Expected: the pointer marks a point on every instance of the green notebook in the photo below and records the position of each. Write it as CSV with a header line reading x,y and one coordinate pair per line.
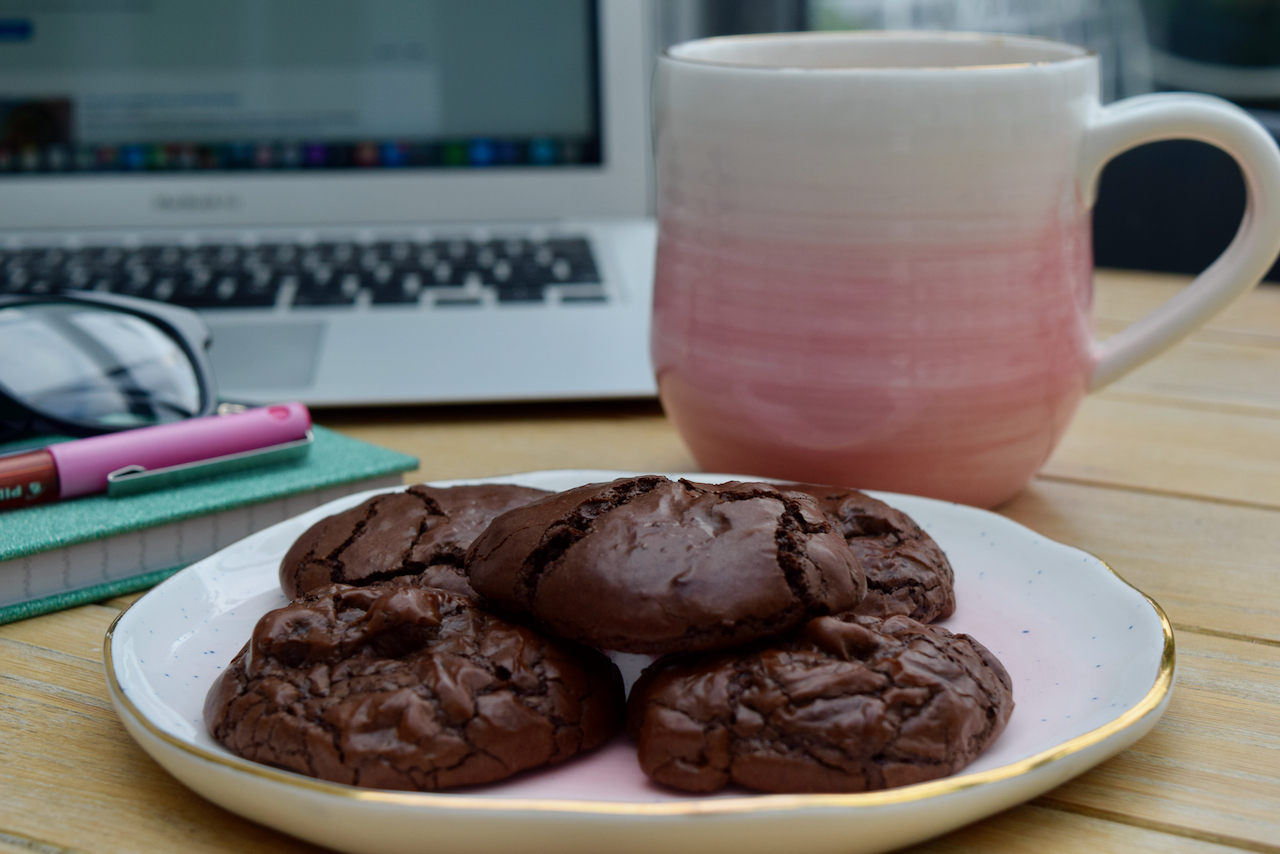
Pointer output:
x,y
69,553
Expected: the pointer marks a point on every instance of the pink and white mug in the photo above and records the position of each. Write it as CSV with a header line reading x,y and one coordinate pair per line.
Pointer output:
x,y
874,258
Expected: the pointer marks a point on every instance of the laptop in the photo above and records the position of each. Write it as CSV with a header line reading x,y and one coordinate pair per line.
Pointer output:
x,y
369,201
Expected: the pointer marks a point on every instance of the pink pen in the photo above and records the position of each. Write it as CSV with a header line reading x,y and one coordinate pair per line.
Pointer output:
x,y
81,467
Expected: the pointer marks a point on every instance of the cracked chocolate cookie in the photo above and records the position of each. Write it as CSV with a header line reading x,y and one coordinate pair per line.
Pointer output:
x,y
847,704
422,532
650,565
906,571
396,687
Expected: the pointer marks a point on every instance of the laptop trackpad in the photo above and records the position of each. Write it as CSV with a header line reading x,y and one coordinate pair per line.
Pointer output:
x,y
265,355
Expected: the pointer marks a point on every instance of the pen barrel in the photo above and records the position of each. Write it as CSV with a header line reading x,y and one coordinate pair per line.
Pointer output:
x,y
83,465
26,479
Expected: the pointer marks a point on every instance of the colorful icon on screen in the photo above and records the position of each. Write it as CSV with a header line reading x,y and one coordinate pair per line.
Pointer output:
x,y
543,152
506,151
367,154
476,152
394,154
455,154
481,152
133,156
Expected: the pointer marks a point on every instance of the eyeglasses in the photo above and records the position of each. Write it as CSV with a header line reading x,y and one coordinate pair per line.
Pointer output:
x,y
84,363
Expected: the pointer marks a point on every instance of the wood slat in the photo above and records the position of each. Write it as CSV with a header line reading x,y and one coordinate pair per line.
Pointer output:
x,y
1172,447
78,631
1201,419
1210,565
481,442
12,843
1214,373
1212,764
1211,768
71,777
1125,296
1032,829
120,603
1172,476
36,674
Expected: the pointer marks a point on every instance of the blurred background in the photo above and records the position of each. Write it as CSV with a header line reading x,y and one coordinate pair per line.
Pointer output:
x,y
1169,206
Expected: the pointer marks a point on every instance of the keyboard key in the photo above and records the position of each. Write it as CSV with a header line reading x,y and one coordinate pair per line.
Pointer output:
x,y
583,294
442,274
458,250
206,289
398,286
521,294
165,288
458,271
42,285
450,301
325,286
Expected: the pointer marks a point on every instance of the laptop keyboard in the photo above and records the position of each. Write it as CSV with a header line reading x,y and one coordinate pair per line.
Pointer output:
x,y
445,272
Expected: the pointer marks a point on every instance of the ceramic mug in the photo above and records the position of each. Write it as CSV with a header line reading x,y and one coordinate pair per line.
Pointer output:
x,y
874,260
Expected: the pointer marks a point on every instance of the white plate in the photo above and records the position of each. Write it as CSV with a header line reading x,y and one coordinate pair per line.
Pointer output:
x,y
1092,662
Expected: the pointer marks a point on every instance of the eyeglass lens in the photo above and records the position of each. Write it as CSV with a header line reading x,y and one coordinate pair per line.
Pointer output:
x,y
94,365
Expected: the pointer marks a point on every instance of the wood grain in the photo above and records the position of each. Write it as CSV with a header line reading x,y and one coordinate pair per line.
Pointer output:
x,y
1169,446
1035,829
1211,566
62,744
1228,374
1232,361
485,441
1122,296
78,632
1172,476
1211,766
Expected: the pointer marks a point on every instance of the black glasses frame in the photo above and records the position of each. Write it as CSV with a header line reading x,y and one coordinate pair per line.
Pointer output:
x,y
19,417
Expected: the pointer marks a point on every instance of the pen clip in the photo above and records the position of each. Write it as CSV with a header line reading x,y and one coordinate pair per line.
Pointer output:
x,y
132,480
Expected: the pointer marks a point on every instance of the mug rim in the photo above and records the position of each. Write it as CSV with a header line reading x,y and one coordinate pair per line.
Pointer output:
x,y
1078,52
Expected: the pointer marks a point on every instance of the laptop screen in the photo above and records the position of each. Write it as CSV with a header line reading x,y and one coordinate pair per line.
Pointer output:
x,y
113,86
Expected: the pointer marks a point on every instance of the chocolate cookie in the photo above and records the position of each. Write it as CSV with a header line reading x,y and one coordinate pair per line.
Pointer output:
x,y
847,704
423,531
396,687
906,571
645,564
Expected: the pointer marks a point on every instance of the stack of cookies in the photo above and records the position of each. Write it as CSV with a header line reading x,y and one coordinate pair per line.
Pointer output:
x,y
441,637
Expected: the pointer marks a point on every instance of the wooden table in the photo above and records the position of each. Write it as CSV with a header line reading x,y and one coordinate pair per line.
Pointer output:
x,y
1172,476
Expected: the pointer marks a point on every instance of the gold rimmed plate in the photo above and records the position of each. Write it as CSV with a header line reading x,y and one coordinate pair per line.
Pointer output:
x,y
1092,662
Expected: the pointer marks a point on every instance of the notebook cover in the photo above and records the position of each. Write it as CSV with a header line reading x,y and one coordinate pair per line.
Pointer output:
x,y
333,460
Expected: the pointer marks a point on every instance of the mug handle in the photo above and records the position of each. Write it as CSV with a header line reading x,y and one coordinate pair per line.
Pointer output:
x,y
1177,115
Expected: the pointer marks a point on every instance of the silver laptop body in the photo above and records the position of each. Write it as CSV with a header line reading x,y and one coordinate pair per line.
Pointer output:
x,y
443,252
